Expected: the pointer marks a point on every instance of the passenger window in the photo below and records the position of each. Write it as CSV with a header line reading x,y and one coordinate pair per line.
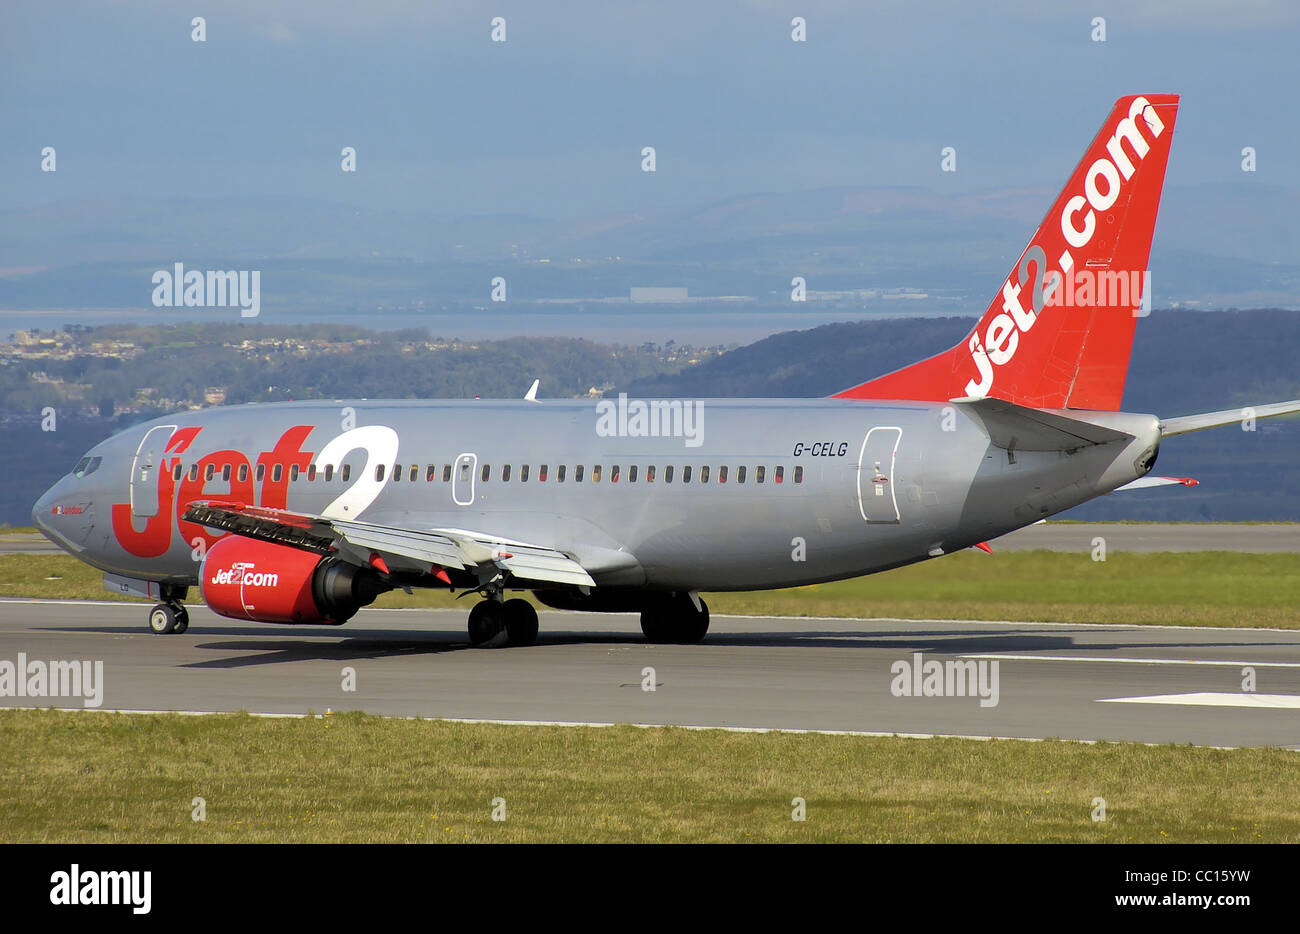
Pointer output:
x,y
779,475
210,472
414,474
379,473
668,474
595,474
722,474
523,474
431,473
243,473
798,475
446,473
613,474
345,473
276,473
329,472
631,474
686,474
704,474
487,471
505,474
541,474
311,473
759,474
176,472
577,474
464,472
559,474
397,473
740,474
225,473
650,474
293,472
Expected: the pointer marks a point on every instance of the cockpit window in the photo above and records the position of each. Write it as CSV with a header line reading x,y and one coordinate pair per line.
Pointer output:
x,y
86,466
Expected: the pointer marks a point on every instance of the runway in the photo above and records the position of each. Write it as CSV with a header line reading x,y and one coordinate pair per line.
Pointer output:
x,y
1143,683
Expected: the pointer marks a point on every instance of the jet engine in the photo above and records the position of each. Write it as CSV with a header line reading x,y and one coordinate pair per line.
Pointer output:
x,y
244,578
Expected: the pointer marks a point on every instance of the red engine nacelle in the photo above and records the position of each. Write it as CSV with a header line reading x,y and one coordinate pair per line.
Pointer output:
x,y
244,578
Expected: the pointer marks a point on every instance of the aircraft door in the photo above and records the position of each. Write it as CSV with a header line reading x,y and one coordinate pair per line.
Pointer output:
x,y
462,479
876,498
144,471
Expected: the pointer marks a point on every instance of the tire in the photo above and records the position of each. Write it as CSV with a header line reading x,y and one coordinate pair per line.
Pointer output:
x,y
162,619
487,625
675,621
182,620
521,621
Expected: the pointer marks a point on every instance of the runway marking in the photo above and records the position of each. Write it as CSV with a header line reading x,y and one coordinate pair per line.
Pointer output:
x,y
1214,699
1132,661
1143,627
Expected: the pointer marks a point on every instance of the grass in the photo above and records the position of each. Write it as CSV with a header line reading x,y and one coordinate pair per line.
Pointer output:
x,y
1192,588
98,778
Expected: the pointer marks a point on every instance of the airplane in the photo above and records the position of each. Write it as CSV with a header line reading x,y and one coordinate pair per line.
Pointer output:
x,y
304,512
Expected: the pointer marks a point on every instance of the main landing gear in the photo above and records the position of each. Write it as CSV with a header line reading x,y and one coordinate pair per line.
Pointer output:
x,y
493,623
170,616
676,618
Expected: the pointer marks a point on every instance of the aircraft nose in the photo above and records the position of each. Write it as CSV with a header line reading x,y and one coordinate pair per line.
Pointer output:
x,y
64,514
41,511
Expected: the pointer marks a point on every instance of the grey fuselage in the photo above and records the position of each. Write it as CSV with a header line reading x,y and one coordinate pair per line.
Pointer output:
x,y
864,486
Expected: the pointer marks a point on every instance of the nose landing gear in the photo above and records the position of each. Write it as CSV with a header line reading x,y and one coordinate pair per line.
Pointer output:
x,y
167,618
170,616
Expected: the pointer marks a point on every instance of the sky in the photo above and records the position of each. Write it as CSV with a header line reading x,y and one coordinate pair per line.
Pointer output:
x,y
552,122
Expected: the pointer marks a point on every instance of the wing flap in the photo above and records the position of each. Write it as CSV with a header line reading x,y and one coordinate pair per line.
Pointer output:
x,y
448,548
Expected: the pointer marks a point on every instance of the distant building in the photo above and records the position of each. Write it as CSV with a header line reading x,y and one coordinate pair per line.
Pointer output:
x,y
215,395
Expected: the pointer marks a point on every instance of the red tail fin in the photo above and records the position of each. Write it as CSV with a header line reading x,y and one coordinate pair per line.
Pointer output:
x,y
1059,333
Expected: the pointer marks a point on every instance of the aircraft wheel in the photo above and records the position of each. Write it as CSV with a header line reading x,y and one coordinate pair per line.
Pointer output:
x,y
487,625
162,619
182,620
521,622
675,621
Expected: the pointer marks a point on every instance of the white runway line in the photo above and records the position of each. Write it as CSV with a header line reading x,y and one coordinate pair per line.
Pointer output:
x,y
603,724
1132,661
1214,699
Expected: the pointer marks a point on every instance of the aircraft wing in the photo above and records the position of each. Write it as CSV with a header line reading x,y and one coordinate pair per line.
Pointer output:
x,y
457,549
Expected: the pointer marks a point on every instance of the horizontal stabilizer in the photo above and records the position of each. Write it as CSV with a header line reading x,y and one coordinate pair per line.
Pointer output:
x,y
1017,428
1185,423
1142,483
